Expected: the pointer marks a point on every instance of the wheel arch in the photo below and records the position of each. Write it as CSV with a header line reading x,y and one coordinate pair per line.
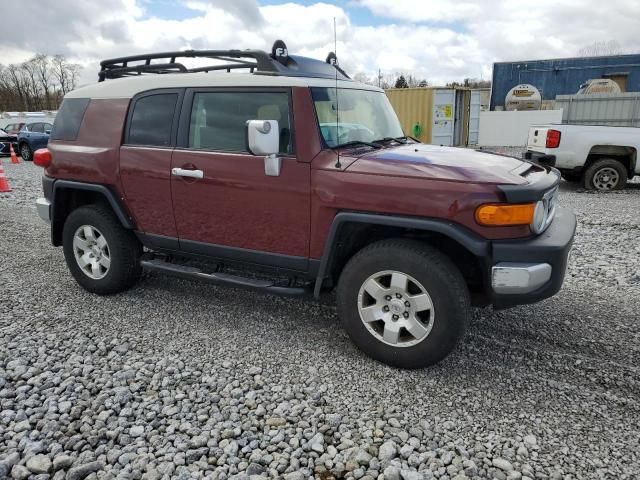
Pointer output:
x,y
625,154
351,231
69,195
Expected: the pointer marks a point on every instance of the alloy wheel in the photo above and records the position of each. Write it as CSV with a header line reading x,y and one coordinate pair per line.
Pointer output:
x,y
396,308
92,252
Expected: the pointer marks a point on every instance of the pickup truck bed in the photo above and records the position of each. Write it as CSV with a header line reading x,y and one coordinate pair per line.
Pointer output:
x,y
600,157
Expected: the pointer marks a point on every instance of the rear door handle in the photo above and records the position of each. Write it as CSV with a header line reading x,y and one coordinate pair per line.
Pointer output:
x,y
183,172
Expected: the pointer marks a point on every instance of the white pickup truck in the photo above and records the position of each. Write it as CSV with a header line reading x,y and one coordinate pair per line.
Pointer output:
x,y
601,158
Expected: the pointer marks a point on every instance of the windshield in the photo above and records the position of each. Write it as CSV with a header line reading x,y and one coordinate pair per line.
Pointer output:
x,y
363,116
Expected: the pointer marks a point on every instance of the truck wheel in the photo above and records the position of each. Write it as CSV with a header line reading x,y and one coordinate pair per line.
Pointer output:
x,y
403,303
605,174
102,256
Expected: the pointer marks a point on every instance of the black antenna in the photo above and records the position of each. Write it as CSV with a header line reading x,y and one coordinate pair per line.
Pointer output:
x,y
335,64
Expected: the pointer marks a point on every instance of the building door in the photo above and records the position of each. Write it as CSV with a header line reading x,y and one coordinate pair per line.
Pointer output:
x,y
474,117
443,116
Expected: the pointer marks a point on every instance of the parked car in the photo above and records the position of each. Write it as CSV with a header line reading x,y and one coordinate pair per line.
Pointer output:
x,y
219,176
33,136
14,128
6,140
599,157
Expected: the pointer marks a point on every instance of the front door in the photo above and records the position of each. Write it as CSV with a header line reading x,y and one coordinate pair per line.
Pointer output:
x,y
234,210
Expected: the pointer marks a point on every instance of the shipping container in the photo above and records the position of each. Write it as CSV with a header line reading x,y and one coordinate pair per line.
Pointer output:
x,y
438,115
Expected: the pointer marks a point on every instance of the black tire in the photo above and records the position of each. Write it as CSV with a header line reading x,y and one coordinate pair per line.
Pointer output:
x,y
124,250
596,169
25,152
441,279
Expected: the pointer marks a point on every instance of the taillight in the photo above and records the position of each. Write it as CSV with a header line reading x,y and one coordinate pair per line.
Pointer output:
x,y
42,157
553,139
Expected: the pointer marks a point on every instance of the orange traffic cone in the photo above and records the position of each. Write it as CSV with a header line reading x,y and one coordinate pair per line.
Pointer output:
x,y
14,157
4,183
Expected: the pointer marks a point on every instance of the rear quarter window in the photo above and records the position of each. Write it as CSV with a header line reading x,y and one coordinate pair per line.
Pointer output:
x,y
69,118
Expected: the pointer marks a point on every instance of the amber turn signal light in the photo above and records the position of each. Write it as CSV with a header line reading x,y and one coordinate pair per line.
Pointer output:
x,y
504,214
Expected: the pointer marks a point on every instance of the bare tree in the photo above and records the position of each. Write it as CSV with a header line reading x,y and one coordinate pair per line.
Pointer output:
x,y
65,73
44,73
39,83
601,48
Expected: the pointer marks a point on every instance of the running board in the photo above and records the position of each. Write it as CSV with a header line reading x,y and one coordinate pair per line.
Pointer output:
x,y
219,278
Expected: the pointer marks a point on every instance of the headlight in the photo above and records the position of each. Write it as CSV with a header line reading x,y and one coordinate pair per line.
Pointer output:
x,y
539,217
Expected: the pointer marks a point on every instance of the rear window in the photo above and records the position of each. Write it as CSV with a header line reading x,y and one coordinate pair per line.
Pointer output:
x,y
69,118
151,120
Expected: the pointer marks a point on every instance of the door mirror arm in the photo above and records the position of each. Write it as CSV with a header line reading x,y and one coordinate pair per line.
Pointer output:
x,y
272,165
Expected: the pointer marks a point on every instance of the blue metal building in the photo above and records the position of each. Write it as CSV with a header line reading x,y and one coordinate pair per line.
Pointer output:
x,y
563,76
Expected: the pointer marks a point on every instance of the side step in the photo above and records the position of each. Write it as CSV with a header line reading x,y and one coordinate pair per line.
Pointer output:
x,y
219,278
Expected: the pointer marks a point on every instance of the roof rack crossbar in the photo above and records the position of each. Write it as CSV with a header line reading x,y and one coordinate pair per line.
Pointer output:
x,y
117,67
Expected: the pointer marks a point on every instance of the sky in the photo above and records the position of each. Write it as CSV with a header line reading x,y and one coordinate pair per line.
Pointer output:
x,y
436,40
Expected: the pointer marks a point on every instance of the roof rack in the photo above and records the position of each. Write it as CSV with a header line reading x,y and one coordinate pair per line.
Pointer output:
x,y
279,62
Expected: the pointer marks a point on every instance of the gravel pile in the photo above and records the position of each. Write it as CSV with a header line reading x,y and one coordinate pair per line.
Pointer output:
x,y
175,379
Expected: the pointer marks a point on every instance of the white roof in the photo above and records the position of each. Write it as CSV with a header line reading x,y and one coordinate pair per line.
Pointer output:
x,y
129,86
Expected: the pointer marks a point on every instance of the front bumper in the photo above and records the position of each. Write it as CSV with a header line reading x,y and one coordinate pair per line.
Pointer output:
x,y
5,146
540,158
43,206
527,271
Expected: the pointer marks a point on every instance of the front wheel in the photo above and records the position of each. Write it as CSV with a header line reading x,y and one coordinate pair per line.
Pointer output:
x,y
101,254
25,152
403,303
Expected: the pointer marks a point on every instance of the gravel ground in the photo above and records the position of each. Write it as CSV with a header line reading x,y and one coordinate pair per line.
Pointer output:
x,y
175,379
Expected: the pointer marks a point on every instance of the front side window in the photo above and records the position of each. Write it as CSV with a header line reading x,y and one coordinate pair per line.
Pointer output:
x,y
218,119
152,120
37,127
354,116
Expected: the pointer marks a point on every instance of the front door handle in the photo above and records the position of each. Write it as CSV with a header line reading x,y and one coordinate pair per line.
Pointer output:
x,y
183,172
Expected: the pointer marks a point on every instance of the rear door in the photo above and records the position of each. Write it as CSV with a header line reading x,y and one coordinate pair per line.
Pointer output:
x,y
235,210
145,163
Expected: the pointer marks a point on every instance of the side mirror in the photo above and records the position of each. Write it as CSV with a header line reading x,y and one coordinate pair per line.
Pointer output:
x,y
48,132
263,138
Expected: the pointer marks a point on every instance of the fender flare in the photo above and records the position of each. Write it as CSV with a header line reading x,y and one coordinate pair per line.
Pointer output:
x,y
477,245
114,203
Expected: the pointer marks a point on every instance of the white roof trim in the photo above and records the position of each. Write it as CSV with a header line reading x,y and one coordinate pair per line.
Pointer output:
x,y
128,87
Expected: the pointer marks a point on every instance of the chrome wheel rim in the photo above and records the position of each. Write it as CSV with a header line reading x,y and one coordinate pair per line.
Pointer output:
x,y
92,252
606,178
395,308
24,152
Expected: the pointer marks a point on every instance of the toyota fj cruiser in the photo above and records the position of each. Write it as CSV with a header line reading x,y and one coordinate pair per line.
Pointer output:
x,y
291,179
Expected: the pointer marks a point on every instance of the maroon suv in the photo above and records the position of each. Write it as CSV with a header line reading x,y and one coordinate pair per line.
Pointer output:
x,y
293,179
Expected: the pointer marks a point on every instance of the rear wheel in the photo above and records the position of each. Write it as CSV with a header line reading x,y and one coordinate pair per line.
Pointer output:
x,y
605,174
25,152
403,303
102,256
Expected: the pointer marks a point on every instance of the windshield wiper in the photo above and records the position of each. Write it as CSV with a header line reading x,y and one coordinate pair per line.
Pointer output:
x,y
358,142
403,140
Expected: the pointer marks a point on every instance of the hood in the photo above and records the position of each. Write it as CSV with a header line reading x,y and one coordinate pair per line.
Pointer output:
x,y
441,163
